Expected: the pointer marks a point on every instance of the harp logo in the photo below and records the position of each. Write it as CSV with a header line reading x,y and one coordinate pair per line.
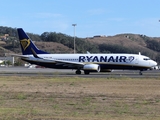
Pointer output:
x,y
25,43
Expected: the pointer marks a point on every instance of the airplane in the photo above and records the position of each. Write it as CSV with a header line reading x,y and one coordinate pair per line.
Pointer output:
x,y
82,62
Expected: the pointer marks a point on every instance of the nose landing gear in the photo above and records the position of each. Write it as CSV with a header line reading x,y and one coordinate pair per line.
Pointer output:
x,y
140,72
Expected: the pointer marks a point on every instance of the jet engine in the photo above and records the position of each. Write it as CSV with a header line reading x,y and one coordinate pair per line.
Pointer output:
x,y
91,68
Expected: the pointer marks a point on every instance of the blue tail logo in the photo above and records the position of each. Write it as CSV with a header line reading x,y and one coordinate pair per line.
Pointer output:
x,y
27,45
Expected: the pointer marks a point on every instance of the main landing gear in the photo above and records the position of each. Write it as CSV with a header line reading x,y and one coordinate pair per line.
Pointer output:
x,y
78,72
86,72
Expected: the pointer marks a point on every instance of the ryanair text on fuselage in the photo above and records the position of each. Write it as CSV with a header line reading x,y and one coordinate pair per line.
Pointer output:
x,y
106,59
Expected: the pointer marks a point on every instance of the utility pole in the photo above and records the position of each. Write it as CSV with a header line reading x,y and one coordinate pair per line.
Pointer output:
x,y
74,36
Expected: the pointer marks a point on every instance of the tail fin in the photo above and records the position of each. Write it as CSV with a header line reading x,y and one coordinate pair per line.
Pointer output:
x,y
27,45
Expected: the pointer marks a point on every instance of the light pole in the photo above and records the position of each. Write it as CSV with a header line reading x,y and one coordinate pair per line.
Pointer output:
x,y
74,36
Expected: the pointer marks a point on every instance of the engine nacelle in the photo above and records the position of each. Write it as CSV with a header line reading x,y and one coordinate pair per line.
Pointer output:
x,y
91,67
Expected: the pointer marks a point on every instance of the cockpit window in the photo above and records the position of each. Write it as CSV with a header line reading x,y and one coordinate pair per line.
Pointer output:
x,y
146,59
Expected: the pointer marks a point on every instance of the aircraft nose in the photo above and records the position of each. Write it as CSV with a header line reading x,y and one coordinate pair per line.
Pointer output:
x,y
154,63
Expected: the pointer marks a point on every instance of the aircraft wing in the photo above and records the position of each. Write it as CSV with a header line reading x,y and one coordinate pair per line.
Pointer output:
x,y
64,63
59,62
54,61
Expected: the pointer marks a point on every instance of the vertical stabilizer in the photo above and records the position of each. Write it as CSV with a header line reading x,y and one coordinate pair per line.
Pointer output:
x,y
27,45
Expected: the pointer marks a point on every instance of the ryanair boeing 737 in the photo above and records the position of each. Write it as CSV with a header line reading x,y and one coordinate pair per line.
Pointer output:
x,y
82,62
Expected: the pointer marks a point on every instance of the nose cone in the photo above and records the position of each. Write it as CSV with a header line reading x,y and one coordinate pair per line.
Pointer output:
x,y
153,63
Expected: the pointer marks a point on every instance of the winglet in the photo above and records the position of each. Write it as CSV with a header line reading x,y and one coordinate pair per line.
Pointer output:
x,y
139,53
88,52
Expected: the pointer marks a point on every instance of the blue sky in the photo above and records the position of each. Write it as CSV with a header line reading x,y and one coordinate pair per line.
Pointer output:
x,y
93,17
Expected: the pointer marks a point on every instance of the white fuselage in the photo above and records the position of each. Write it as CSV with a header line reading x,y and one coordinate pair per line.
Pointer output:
x,y
106,61
86,62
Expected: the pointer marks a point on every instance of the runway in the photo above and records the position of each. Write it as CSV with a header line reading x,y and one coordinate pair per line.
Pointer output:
x,y
23,71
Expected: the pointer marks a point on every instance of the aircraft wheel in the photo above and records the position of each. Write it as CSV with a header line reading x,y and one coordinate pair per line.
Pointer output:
x,y
86,72
140,73
78,72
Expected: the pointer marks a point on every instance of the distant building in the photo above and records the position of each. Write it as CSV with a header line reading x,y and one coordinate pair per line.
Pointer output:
x,y
96,36
99,36
11,59
89,37
4,37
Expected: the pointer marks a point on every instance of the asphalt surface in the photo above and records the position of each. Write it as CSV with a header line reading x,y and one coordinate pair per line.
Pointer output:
x,y
23,71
